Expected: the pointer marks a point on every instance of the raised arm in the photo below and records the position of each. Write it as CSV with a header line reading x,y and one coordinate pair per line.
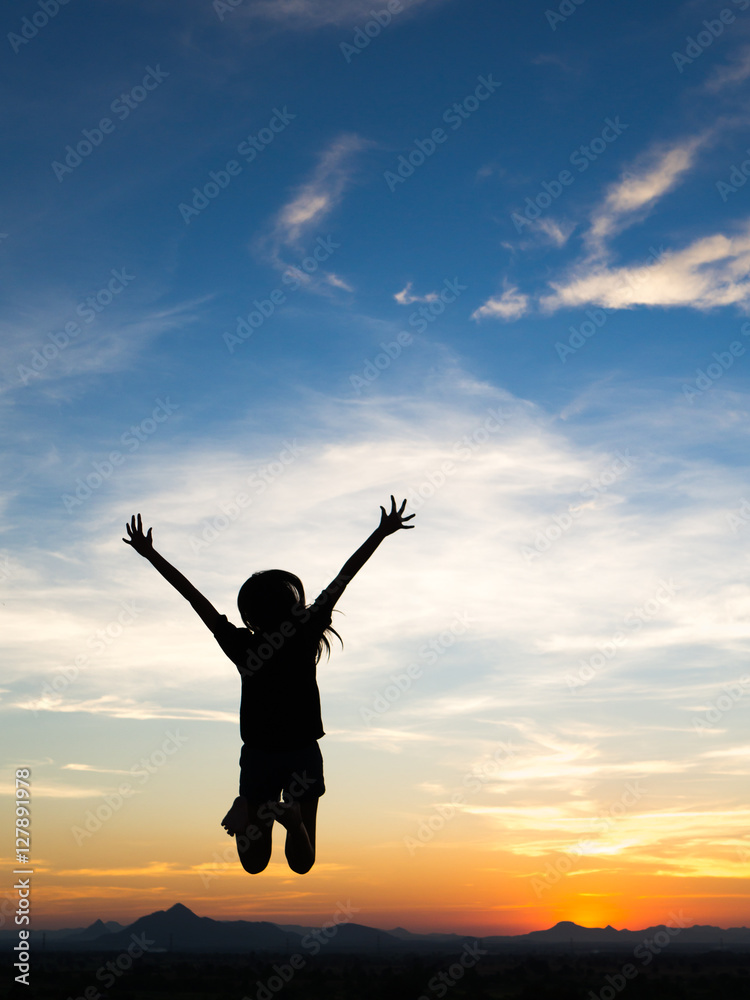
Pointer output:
x,y
144,546
389,523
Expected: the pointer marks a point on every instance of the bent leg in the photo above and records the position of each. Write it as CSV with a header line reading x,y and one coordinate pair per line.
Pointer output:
x,y
299,820
254,843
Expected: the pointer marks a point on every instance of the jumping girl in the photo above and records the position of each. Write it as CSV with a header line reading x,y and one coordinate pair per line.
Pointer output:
x,y
276,654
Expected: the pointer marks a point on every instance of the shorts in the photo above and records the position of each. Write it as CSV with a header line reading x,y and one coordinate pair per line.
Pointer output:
x,y
265,774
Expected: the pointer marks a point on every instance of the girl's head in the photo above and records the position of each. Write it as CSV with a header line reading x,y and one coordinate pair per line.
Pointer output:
x,y
274,596
269,598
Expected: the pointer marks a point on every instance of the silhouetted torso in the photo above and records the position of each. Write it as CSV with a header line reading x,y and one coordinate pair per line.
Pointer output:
x,y
280,706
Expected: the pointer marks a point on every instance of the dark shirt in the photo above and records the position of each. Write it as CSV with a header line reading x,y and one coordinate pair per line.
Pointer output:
x,y
280,706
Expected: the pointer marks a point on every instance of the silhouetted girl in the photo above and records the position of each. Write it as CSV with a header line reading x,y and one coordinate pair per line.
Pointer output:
x,y
280,723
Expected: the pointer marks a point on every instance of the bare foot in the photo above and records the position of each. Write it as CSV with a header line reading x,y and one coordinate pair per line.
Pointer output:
x,y
288,813
237,819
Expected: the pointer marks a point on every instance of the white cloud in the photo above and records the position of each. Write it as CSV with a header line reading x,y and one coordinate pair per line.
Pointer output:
x,y
630,198
405,298
558,233
303,220
319,196
336,282
710,272
510,305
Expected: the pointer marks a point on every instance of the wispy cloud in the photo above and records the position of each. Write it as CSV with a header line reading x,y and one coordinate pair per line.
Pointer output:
x,y
98,770
405,297
31,356
712,271
337,282
300,14
510,305
306,215
736,71
121,708
556,232
318,197
630,199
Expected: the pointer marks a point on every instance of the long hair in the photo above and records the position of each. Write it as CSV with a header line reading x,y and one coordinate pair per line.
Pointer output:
x,y
274,596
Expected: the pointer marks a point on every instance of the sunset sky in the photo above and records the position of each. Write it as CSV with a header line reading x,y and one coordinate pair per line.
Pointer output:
x,y
267,263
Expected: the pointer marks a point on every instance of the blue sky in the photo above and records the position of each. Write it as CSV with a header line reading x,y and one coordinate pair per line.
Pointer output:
x,y
579,214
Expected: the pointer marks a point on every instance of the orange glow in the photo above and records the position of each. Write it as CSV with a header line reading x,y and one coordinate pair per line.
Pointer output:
x,y
443,890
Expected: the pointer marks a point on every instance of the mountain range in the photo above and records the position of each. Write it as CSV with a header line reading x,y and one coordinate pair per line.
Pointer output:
x,y
179,929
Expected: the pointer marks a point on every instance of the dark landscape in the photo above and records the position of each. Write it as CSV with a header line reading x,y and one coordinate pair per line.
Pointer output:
x,y
177,954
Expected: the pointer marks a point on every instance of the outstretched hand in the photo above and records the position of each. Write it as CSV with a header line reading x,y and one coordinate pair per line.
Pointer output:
x,y
394,519
143,544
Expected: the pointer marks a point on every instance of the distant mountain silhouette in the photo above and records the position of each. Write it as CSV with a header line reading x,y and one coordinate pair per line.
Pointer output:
x,y
437,936
178,929
566,931
96,930
91,933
